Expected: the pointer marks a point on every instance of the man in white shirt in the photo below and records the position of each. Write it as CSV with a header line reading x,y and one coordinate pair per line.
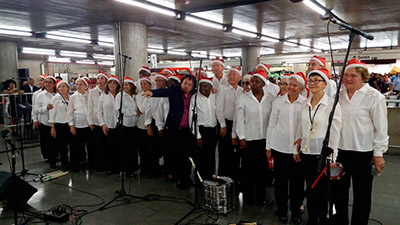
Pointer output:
x,y
317,63
226,104
206,129
218,70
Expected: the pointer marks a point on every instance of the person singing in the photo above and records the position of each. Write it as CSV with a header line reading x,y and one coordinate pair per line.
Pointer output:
x,y
363,140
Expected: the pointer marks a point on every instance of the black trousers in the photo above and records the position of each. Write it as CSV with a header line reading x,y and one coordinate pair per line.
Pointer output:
x,y
112,152
91,149
229,159
289,183
144,150
129,149
206,155
63,138
100,148
317,197
155,149
254,170
78,146
182,146
357,167
48,144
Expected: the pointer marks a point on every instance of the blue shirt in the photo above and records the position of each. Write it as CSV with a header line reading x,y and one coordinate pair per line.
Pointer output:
x,y
396,84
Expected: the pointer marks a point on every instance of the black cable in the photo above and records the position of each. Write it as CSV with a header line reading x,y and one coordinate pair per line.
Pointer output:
x,y
374,220
330,48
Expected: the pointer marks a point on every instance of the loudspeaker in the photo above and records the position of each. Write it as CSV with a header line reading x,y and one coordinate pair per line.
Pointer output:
x,y
15,191
23,74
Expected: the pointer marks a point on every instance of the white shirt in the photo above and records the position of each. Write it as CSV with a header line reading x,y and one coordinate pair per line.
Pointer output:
x,y
162,113
252,116
138,86
206,111
93,100
106,113
33,113
77,110
285,124
142,103
41,102
365,125
222,82
271,89
331,88
321,123
129,108
152,110
226,100
58,114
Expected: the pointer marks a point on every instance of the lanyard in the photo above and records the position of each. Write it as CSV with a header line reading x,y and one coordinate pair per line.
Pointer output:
x,y
312,118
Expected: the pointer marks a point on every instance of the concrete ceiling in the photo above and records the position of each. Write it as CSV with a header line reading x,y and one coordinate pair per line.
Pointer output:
x,y
281,19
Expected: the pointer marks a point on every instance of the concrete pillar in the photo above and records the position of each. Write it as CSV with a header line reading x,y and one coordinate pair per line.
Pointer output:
x,y
8,60
250,58
130,39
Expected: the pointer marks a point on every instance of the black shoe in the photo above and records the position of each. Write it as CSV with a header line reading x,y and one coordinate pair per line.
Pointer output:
x,y
296,220
283,219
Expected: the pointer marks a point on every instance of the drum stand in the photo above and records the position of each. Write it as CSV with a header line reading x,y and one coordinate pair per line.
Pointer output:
x,y
196,204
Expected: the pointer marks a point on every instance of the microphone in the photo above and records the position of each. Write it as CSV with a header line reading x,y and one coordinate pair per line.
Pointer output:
x,y
352,29
126,56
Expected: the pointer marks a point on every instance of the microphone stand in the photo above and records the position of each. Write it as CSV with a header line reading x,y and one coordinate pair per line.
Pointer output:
x,y
121,193
196,205
326,151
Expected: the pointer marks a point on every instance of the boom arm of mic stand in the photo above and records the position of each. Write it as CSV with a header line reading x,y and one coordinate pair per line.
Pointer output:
x,y
353,29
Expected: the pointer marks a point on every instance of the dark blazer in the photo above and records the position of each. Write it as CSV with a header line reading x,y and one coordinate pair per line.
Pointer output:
x,y
27,89
175,96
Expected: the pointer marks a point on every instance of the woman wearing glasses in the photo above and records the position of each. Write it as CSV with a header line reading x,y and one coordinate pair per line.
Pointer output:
x,y
314,121
59,122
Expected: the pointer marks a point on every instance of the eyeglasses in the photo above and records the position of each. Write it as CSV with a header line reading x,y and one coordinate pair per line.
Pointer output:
x,y
282,83
314,81
246,83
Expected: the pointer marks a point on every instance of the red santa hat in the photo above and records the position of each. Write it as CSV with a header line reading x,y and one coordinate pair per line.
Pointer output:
x,y
324,73
206,80
59,82
355,63
261,74
218,60
202,73
113,77
84,81
43,76
265,66
248,76
300,77
160,75
129,80
148,80
320,60
167,71
51,77
175,77
101,73
145,69
236,69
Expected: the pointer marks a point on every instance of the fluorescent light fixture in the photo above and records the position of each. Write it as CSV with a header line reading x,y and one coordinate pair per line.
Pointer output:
x,y
165,3
176,52
149,7
102,43
106,63
196,55
155,50
204,22
15,28
54,59
269,39
315,7
15,32
304,47
290,44
61,38
73,54
85,62
38,51
244,33
106,57
317,50
233,54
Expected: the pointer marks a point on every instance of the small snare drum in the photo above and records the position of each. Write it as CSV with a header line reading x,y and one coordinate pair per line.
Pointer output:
x,y
218,195
337,172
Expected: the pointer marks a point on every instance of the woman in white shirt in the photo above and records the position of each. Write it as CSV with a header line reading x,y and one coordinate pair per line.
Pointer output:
x,y
314,123
144,132
363,139
59,122
107,116
283,129
34,95
77,120
42,107
97,137
129,126
253,110
206,127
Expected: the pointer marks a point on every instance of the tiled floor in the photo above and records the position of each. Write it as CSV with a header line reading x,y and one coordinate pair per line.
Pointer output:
x,y
168,210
